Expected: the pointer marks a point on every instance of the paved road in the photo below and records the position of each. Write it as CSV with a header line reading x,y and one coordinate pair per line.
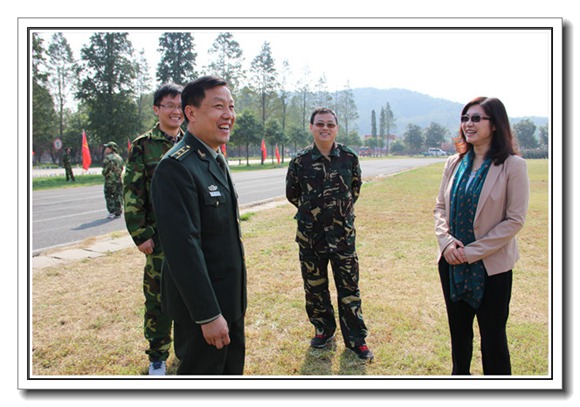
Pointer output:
x,y
68,215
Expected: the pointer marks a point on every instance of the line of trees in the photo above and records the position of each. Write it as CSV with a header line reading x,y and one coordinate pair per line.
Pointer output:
x,y
108,93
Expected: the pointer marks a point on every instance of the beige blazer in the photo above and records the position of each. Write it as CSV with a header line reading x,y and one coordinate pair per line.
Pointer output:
x,y
500,215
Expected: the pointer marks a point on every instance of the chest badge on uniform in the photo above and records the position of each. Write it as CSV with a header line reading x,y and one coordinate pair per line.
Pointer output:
x,y
213,191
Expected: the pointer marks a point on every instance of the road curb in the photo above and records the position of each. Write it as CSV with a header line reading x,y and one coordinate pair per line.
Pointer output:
x,y
98,246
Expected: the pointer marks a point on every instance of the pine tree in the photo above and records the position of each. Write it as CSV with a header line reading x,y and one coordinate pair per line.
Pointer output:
x,y
62,75
264,81
43,114
227,60
177,62
107,86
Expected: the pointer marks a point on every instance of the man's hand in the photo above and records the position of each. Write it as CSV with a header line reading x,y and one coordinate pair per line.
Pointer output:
x,y
147,246
216,332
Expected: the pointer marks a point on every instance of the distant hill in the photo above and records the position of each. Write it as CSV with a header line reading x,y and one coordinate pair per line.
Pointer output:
x,y
412,107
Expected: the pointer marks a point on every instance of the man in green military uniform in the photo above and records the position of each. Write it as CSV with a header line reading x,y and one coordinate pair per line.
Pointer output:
x,y
323,182
203,281
113,171
144,155
66,163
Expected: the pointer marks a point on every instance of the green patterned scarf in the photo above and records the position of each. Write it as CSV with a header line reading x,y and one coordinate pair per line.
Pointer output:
x,y
467,280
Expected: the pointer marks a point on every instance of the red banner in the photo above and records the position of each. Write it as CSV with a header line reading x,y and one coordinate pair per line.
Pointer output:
x,y
277,154
264,152
86,153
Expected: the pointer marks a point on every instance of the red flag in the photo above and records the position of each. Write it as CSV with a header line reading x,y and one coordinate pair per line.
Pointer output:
x,y
86,152
277,154
264,152
224,152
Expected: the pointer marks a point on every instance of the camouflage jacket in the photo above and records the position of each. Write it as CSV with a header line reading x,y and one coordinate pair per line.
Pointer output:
x,y
113,168
146,152
66,160
324,191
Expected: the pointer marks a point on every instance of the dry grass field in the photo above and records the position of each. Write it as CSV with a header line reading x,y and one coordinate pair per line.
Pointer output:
x,y
87,316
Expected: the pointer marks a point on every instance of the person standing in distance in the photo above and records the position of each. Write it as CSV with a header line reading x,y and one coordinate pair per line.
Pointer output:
x,y
323,182
203,279
113,172
66,163
144,155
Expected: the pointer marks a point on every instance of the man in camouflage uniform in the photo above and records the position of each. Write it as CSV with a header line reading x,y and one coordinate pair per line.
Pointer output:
x,y
146,152
66,163
113,172
323,182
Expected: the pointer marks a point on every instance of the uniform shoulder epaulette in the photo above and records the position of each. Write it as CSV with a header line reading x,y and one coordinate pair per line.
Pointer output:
x,y
347,149
304,151
142,137
180,152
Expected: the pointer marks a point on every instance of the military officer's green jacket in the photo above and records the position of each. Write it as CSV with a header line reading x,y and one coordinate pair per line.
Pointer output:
x,y
324,191
204,272
144,155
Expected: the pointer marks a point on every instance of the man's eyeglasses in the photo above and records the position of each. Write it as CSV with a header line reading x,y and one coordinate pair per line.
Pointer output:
x,y
321,125
476,118
171,107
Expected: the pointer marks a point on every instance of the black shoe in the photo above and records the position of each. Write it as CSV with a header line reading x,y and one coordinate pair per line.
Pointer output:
x,y
320,340
363,352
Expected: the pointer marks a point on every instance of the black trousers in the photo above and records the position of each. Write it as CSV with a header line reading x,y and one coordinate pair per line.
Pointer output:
x,y
492,316
200,358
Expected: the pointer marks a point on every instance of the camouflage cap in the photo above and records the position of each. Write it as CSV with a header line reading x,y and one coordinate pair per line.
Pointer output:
x,y
112,145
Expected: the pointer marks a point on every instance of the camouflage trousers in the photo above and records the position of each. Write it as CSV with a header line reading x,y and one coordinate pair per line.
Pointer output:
x,y
157,326
114,197
345,268
69,173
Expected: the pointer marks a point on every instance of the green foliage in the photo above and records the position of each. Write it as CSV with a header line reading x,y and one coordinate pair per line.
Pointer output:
x,y
264,80
298,137
44,119
247,131
531,153
107,80
413,139
347,112
275,135
227,59
62,75
435,135
60,182
397,147
177,62
524,131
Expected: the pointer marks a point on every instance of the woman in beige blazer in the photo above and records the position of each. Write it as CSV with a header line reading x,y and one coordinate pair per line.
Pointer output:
x,y
481,206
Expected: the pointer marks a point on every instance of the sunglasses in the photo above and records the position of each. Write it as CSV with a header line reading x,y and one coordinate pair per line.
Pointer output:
x,y
320,125
475,118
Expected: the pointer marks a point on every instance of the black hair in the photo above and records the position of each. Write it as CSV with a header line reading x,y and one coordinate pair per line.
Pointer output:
x,y
322,110
194,92
170,89
502,142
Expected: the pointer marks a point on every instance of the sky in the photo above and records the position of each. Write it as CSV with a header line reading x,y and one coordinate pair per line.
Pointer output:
x,y
455,64
514,68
